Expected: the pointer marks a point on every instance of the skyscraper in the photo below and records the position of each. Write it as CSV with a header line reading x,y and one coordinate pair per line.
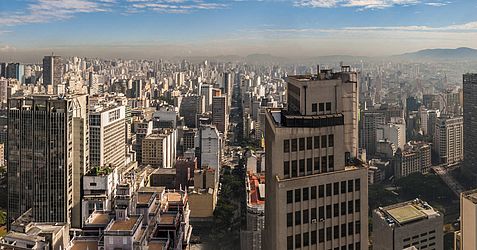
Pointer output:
x,y
316,185
465,238
448,139
15,71
470,125
52,71
107,136
47,155
220,114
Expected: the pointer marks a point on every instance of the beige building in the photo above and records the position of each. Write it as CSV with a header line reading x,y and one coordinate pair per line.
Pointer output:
x,y
415,157
318,186
409,224
449,139
203,198
159,149
466,238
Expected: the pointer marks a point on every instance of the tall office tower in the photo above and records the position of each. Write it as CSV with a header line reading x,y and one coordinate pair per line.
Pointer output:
x,y
228,86
210,144
318,189
206,92
465,238
369,123
409,224
142,129
47,155
136,90
52,71
16,71
3,70
190,108
107,125
394,132
449,139
470,125
220,117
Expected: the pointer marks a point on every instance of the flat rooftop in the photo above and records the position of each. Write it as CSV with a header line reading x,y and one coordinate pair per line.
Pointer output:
x,y
144,198
84,244
124,225
174,197
470,195
167,219
407,212
99,218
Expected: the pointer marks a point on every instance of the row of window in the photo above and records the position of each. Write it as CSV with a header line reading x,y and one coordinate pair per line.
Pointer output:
x,y
324,212
321,107
305,167
336,188
311,142
321,236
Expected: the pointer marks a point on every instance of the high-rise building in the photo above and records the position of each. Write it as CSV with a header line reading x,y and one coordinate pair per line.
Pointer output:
x,y
3,70
369,123
206,92
190,108
210,144
52,71
220,116
409,224
142,129
414,157
395,132
107,136
159,149
470,125
16,71
465,238
449,139
317,188
47,156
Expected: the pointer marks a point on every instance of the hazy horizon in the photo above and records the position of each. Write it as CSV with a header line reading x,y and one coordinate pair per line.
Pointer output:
x,y
155,29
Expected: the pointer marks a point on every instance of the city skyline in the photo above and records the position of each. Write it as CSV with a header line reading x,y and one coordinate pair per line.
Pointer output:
x,y
164,28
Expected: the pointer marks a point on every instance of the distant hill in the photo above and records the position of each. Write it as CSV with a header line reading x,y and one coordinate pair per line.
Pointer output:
x,y
443,54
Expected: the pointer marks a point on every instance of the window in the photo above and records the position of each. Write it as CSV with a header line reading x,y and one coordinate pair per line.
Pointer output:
x,y
286,169
357,206
323,163
286,146
322,107
350,207
289,219
321,191
317,141
297,240
302,144
289,242
336,210
317,164
343,208
309,165
313,237
313,192
302,167
294,145
358,227
343,230
328,234
309,143
350,186
306,216
357,184
297,195
328,211
350,247
289,196
305,194
313,213
321,212
314,107
357,246
297,218
306,239
321,235
336,188
328,106
331,163
350,228
294,169
328,189
336,232
323,141
343,187
331,141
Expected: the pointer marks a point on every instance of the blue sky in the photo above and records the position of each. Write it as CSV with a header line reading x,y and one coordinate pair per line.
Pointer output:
x,y
218,27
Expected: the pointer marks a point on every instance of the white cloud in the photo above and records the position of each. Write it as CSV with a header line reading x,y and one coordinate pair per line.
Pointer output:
x,y
7,48
364,4
171,6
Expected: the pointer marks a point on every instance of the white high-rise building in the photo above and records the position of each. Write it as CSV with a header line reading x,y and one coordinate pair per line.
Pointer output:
x,y
449,139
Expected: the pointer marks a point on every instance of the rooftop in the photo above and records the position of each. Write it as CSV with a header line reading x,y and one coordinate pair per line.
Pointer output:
x,y
144,198
284,119
407,212
167,219
470,195
98,218
81,244
124,225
